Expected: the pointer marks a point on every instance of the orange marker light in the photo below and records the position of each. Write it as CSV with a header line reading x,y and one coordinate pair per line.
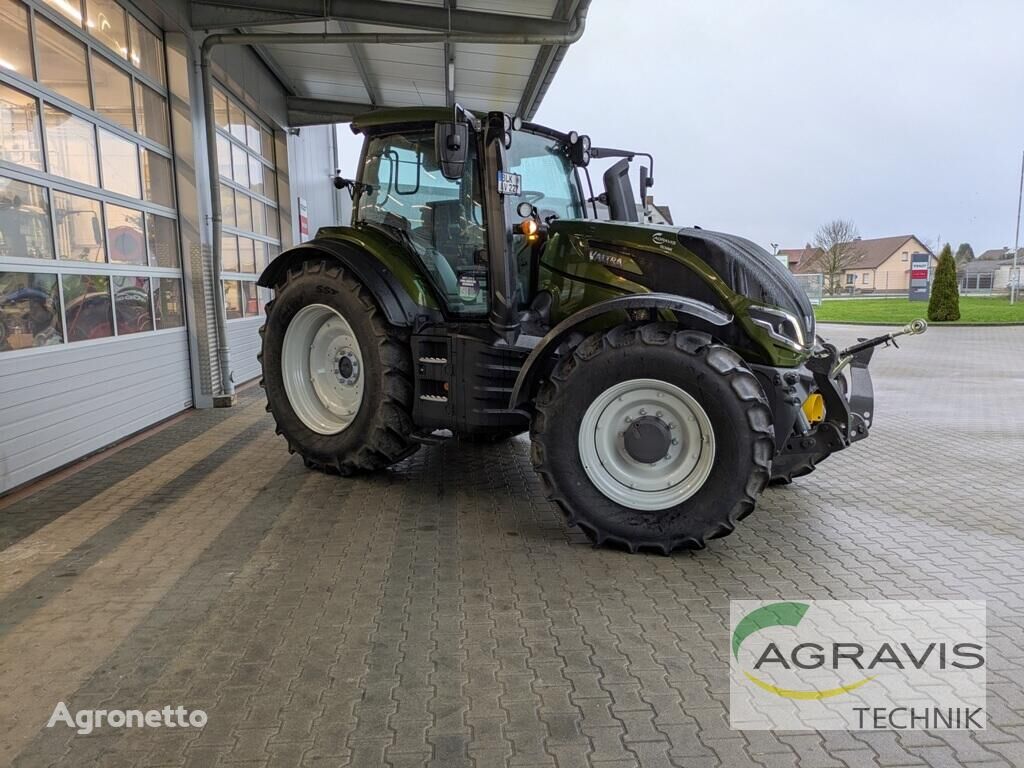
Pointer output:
x,y
529,227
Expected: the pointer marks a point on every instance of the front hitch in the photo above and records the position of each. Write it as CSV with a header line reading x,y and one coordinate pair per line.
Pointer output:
x,y
849,407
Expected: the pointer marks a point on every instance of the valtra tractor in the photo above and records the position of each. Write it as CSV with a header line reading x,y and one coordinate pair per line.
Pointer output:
x,y
666,375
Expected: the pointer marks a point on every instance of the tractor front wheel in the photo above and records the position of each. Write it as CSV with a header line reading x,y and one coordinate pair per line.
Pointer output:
x,y
338,377
653,437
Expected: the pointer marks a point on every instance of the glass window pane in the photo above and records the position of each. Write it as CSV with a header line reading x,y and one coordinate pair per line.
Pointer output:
x,y
252,301
227,206
267,144
243,211
70,146
29,311
105,21
87,307
259,219
119,163
256,175
269,184
220,109
262,256
131,304
19,129
79,228
167,301
62,66
24,221
124,234
71,9
151,110
224,157
16,53
147,50
112,89
273,223
236,120
252,134
163,241
240,165
157,184
229,253
246,256
233,299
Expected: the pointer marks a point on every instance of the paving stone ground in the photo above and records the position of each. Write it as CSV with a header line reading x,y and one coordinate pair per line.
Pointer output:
x,y
441,614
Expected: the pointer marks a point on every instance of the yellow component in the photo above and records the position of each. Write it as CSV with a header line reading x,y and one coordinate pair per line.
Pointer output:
x,y
814,408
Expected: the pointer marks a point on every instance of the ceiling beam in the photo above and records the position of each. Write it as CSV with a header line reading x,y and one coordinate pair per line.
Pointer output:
x,y
358,57
303,111
221,14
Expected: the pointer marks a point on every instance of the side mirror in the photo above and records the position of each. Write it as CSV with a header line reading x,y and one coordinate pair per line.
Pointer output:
x,y
451,145
646,182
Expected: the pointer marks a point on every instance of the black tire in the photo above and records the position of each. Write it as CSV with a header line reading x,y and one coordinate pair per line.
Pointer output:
x,y
380,433
715,376
786,469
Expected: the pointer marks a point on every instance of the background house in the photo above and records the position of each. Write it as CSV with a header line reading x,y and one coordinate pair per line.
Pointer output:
x,y
990,272
883,265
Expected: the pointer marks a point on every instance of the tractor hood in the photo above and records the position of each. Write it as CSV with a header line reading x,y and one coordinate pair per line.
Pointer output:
x,y
714,267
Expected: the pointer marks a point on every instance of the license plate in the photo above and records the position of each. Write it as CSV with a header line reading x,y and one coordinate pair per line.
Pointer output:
x,y
509,183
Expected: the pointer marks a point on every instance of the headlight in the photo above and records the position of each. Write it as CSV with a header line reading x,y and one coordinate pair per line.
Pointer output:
x,y
782,326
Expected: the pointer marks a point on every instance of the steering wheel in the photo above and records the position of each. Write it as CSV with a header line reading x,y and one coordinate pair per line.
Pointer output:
x,y
531,196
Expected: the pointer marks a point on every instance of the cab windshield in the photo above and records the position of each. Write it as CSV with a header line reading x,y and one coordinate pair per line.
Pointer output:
x,y
548,178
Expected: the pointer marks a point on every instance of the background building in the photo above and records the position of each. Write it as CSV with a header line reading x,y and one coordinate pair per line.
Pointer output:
x,y
108,319
882,264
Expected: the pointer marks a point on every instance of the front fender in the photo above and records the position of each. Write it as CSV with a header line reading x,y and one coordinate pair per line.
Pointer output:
x,y
393,299
534,365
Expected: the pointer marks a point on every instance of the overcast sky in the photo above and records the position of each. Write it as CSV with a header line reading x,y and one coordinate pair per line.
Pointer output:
x,y
769,117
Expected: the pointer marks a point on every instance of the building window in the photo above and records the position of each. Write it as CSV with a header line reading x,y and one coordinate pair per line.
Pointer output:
x,y
905,256
252,230
88,229
29,310
850,278
867,277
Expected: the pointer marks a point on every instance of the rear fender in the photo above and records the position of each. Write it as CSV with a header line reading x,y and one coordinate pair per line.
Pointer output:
x,y
393,299
536,364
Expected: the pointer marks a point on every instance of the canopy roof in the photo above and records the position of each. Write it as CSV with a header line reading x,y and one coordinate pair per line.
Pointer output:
x,y
332,82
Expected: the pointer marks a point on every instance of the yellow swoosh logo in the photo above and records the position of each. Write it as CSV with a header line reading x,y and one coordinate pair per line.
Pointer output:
x,y
806,695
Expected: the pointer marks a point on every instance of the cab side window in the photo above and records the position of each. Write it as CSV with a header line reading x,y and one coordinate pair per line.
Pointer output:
x,y
441,218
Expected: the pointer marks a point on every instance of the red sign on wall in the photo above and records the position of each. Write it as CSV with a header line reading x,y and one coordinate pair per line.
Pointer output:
x,y
919,274
303,219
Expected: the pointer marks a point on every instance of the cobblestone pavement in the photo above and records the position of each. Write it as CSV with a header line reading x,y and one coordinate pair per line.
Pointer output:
x,y
441,614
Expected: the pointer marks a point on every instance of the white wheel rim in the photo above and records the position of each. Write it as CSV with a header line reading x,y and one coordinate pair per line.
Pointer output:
x,y
638,485
322,369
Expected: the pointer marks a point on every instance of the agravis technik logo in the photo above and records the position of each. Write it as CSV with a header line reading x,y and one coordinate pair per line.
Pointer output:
x,y
857,664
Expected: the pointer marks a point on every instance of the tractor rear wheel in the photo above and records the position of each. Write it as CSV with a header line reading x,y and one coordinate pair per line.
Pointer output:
x,y
338,377
652,437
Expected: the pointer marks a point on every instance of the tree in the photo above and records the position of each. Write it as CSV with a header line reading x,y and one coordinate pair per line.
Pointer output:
x,y
964,254
838,249
944,303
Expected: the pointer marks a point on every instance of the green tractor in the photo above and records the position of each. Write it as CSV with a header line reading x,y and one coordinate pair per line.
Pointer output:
x,y
665,375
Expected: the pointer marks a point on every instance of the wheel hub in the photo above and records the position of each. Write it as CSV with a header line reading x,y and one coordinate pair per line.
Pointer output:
x,y
647,440
348,368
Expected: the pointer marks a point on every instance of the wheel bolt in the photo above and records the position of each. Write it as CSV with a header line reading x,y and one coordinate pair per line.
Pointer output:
x,y
629,419
658,414
643,411
674,441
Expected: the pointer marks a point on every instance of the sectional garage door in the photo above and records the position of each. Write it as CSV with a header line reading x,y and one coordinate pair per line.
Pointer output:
x,y
93,345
